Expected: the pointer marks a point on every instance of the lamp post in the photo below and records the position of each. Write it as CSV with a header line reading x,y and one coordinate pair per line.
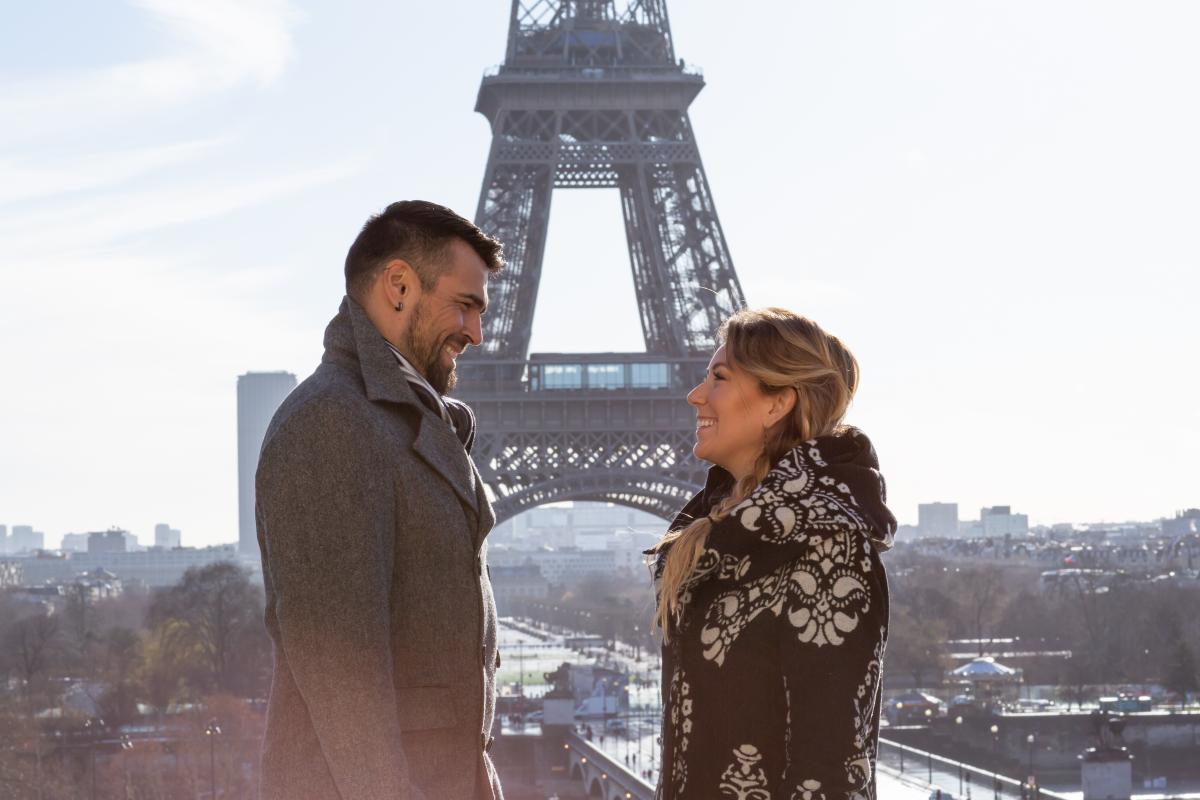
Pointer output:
x,y
1030,739
212,730
126,746
958,721
996,754
92,725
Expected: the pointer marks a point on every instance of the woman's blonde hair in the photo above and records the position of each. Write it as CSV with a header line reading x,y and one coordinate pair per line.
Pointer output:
x,y
784,352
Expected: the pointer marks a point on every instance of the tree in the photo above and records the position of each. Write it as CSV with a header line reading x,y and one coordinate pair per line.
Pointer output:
x,y
915,647
30,644
215,614
1181,672
120,657
982,591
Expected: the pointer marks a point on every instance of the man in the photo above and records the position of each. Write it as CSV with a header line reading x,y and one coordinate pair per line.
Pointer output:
x,y
371,523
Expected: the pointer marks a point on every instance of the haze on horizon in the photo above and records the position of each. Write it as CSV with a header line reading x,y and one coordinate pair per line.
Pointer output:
x,y
993,204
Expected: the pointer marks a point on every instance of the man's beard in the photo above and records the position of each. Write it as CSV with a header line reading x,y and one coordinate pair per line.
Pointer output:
x,y
426,348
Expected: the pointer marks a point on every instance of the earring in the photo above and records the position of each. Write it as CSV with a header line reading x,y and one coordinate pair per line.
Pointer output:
x,y
400,306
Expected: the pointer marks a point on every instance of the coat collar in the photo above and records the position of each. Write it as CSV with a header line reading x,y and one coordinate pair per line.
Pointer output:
x,y
353,342
826,486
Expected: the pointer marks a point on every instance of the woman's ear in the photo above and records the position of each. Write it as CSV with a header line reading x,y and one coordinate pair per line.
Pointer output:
x,y
782,404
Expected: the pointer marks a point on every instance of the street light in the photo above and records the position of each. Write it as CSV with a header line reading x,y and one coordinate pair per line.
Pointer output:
x,y
212,730
1030,740
126,746
958,721
92,725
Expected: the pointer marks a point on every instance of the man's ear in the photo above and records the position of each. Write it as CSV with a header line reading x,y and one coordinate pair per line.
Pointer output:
x,y
399,281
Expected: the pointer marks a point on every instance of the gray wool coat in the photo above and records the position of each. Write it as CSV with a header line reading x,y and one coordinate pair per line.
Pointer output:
x,y
371,524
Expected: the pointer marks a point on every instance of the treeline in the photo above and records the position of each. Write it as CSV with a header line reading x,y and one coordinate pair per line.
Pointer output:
x,y
1117,631
132,691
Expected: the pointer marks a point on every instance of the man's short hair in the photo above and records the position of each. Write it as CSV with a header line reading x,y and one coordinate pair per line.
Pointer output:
x,y
418,232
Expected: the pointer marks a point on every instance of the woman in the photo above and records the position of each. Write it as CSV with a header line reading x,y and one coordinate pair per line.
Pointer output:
x,y
771,594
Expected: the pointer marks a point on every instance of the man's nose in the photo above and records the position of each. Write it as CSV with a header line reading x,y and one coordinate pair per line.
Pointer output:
x,y
474,329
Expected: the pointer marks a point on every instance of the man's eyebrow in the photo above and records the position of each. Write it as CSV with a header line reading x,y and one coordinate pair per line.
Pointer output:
x,y
475,300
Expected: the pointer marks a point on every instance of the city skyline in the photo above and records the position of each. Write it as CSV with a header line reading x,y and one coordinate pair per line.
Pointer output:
x,y
1000,232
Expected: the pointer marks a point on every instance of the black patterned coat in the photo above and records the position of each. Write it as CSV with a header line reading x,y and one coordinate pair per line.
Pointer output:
x,y
771,677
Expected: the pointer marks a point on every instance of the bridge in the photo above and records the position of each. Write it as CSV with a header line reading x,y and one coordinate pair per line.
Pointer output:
x,y
602,775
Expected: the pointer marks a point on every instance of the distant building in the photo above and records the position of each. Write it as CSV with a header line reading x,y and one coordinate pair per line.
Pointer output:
x,y
25,539
1000,521
938,519
74,543
3,539
514,585
152,567
259,395
11,574
1184,522
587,526
167,537
110,541
565,566
99,584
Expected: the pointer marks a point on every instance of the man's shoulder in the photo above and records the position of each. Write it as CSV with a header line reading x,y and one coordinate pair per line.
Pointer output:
x,y
329,408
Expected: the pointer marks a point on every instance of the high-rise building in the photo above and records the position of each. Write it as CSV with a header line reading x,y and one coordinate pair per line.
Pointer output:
x,y
74,543
938,519
167,537
25,539
259,395
1000,521
1183,523
111,541
3,538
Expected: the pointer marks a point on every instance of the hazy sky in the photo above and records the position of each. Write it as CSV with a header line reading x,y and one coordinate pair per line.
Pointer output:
x,y
994,204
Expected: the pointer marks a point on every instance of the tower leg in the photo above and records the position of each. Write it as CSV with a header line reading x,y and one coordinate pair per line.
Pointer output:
x,y
514,207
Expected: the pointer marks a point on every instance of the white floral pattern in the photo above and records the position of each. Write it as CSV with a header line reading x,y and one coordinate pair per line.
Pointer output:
x,y
808,789
681,729
824,593
745,779
793,503
860,767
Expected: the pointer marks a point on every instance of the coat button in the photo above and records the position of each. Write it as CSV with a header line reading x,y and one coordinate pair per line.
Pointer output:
x,y
488,741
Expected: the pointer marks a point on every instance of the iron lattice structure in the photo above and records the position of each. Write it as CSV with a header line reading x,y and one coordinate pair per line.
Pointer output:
x,y
591,96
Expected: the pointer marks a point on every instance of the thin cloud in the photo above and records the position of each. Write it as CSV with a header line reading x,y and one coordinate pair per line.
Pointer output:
x,y
25,179
118,216
214,46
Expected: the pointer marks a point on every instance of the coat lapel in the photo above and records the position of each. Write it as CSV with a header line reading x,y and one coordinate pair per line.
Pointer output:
x,y
352,337
438,447
485,516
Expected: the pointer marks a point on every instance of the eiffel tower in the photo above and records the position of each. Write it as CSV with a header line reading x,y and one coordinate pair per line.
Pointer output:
x,y
590,95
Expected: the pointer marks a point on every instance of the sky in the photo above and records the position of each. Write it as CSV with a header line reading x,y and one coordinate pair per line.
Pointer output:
x,y
993,203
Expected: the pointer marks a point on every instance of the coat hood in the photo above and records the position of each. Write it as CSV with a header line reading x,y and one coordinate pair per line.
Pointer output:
x,y
826,486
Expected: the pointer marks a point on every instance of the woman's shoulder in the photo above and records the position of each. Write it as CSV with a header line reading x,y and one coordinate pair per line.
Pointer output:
x,y
823,486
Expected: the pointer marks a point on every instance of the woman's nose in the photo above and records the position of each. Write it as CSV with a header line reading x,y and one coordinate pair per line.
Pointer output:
x,y
696,395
